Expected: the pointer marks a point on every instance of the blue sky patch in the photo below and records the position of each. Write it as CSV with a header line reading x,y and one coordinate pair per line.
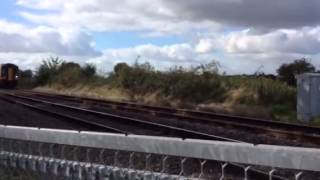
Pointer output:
x,y
106,40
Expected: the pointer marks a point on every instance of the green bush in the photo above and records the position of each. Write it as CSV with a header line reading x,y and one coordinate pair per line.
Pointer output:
x,y
177,83
196,85
89,70
315,121
67,74
269,92
284,113
193,87
138,79
287,72
48,70
26,79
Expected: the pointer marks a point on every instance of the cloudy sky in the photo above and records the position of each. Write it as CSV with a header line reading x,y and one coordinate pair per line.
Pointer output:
x,y
242,35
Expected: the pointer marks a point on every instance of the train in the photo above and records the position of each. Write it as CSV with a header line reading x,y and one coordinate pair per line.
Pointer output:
x,y
9,76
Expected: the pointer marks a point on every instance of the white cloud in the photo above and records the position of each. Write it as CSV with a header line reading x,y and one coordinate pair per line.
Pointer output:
x,y
167,16
277,32
24,60
28,46
205,45
44,4
163,57
19,38
186,55
110,15
303,41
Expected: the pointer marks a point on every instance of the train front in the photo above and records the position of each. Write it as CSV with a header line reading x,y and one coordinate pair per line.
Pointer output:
x,y
8,76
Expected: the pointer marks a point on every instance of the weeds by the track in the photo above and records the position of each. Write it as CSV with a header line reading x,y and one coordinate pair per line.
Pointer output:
x,y
199,87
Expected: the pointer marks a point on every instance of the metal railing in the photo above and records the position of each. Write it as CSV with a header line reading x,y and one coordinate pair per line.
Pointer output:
x,y
59,154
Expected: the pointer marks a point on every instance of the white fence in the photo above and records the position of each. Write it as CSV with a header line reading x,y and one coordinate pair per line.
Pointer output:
x,y
83,155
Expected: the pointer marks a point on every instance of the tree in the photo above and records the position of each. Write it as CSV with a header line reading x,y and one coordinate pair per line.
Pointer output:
x,y
26,74
287,72
69,73
89,70
120,67
47,70
26,79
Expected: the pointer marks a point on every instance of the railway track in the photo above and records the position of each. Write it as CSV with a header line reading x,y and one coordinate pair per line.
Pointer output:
x,y
109,122
301,135
133,126
83,122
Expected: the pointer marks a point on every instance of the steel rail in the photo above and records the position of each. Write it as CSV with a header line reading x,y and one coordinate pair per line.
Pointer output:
x,y
178,132
194,113
258,173
90,124
307,133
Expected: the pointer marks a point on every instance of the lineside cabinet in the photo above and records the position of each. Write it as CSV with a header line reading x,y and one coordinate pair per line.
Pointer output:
x,y
308,96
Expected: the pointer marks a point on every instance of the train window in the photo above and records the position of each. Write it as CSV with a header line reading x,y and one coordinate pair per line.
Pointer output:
x,y
4,72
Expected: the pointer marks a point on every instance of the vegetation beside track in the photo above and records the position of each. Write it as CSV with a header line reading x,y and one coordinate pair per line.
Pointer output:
x,y
201,87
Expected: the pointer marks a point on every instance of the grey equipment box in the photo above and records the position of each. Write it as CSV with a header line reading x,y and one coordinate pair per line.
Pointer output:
x,y
308,96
